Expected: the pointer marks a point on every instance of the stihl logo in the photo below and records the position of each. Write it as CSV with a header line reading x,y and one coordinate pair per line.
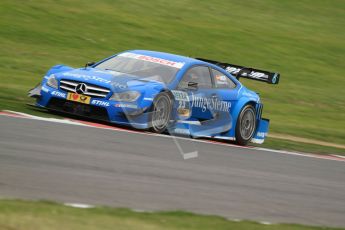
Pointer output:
x,y
252,74
100,103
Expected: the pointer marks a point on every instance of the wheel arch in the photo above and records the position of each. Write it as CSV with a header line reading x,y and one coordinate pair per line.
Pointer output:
x,y
239,139
150,114
235,113
167,91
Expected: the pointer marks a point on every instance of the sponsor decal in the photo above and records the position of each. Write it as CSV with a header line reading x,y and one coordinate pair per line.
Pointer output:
x,y
221,78
247,94
118,85
251,96
86,77
112,72
182,131
274,79
180,95
184,112
78,98
58,94
161,61
233,70
126,106
44,89
186,102
212,104
261,134
183,109
100,103
252,74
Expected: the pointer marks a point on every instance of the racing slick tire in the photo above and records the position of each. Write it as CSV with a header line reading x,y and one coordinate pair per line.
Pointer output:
x,y
161,113
246,125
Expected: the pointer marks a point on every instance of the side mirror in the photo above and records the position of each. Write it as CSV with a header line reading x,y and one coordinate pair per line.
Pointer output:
x,y
89,64
192,85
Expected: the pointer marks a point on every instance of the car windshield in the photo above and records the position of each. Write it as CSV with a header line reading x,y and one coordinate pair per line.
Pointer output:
x,y
142,66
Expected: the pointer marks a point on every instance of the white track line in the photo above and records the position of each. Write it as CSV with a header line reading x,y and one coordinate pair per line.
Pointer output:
x,y
338,156
79,205
86,206
15,114
265,222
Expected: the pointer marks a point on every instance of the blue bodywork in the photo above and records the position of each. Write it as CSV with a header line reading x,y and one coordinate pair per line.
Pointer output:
x,y
201,123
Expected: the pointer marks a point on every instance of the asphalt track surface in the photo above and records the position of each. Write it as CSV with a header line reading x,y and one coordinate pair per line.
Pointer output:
x,y
76,164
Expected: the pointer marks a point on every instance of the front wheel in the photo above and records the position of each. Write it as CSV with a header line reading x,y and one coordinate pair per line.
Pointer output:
x,y
161,113
246,125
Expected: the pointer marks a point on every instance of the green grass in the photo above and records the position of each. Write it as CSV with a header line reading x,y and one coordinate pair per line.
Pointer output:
x,y
303,40
29,215
273,143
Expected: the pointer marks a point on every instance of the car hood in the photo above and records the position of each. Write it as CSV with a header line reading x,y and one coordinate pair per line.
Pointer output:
x,y
113,80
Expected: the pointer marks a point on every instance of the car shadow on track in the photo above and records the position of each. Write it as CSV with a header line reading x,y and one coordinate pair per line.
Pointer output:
x,y
125,127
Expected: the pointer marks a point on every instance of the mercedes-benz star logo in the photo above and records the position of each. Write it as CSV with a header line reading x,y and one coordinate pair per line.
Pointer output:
x,y
80,88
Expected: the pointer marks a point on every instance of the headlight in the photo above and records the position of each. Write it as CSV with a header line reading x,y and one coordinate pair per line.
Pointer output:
x,y
52,82
128,96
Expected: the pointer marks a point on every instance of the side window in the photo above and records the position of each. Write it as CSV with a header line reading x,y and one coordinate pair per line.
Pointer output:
x,y
200,75
222,81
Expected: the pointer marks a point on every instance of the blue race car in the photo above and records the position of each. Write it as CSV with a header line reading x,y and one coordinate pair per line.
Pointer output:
x,y
161,92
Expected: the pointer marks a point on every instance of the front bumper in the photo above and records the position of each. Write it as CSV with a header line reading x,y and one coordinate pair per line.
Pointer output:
x,y
125,113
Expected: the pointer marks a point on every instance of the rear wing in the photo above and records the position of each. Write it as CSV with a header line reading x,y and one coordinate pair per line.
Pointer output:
x,y
245,72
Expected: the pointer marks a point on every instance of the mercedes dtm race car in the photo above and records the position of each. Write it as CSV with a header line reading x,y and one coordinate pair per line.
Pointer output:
x,y
161,92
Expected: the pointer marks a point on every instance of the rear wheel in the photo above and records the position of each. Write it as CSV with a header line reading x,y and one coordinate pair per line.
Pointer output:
x,y
246,125
161,113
